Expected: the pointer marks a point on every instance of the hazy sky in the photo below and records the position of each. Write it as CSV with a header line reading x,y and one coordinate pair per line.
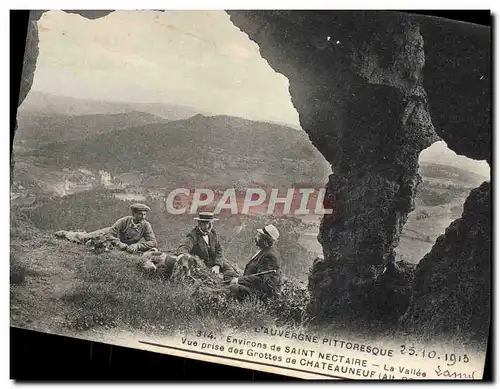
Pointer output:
x,y
194,58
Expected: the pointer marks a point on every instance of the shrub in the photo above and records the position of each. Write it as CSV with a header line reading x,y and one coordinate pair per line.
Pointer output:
x,y
290,303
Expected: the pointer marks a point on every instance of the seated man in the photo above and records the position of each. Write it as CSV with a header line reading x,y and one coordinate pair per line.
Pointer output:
x,y
133,233
130,233
266,259
203,242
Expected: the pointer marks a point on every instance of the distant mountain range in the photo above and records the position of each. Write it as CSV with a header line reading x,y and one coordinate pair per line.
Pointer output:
x,y
35,129
435,172
197,150
439,153
47,104
209,151
41,103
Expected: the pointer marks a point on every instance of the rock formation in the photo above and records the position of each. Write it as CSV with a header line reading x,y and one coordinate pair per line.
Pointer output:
x,y
452,284
365,85
29,60
458,82
356,79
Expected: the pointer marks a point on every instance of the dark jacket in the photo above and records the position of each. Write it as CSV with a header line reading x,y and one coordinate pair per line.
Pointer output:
x,y
269,284
194,244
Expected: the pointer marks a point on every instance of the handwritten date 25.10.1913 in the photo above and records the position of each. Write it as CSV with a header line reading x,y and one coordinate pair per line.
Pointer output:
x,y
449,358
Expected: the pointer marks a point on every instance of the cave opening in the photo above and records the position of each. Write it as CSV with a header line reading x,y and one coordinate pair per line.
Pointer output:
x,y
371,108
447,180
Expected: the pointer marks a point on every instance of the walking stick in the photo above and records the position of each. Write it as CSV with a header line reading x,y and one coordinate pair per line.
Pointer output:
x,y
256,274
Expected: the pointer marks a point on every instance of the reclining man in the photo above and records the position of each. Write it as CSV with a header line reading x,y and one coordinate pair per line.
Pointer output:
x,y
203,242
267,259
131,233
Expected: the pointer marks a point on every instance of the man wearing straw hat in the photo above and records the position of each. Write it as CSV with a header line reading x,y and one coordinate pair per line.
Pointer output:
x,y
203,242
262,274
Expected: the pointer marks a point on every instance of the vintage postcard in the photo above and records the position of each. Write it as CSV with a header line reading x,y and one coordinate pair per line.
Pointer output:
x,y
298,192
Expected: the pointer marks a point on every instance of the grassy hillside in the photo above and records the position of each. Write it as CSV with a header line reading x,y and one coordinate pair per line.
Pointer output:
x,y
58,286
438,202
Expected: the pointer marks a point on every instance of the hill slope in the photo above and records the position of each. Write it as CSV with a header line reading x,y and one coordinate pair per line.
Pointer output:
x,y
45,103
35,128
209,150
449,173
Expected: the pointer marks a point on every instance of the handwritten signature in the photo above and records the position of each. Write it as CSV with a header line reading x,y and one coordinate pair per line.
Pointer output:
x,y
454,374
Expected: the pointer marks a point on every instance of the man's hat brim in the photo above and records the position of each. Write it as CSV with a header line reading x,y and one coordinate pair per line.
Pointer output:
x,y
140,207
206,220
263,231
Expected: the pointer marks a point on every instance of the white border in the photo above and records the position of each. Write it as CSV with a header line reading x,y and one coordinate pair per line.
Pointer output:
x,y
255,4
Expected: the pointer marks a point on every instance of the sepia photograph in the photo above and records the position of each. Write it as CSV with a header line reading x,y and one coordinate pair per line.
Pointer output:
x,y
306,193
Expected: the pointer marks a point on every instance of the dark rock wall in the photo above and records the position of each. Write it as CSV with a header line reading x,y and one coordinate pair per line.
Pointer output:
x,y
356,81
458,82
29,60
452,284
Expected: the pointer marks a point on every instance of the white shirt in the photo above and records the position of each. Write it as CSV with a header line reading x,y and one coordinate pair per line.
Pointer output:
x,y
205,236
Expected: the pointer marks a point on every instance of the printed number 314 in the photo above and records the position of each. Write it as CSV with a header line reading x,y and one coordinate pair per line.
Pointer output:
x,y
203,334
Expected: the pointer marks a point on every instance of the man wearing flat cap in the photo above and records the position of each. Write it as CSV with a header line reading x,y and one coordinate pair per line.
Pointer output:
x,y
133,233
203,242
267,259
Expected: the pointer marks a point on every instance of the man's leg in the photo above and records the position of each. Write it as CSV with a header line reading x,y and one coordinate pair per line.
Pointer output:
x,y
72,236
239,291
96,234
228,271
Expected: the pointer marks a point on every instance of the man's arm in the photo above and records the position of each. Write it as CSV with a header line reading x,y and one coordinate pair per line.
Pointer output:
x,y
269,262
114,233
219,255
148,240
186,245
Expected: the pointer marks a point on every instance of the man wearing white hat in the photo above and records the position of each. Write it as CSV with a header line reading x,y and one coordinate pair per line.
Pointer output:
x,y
267,259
